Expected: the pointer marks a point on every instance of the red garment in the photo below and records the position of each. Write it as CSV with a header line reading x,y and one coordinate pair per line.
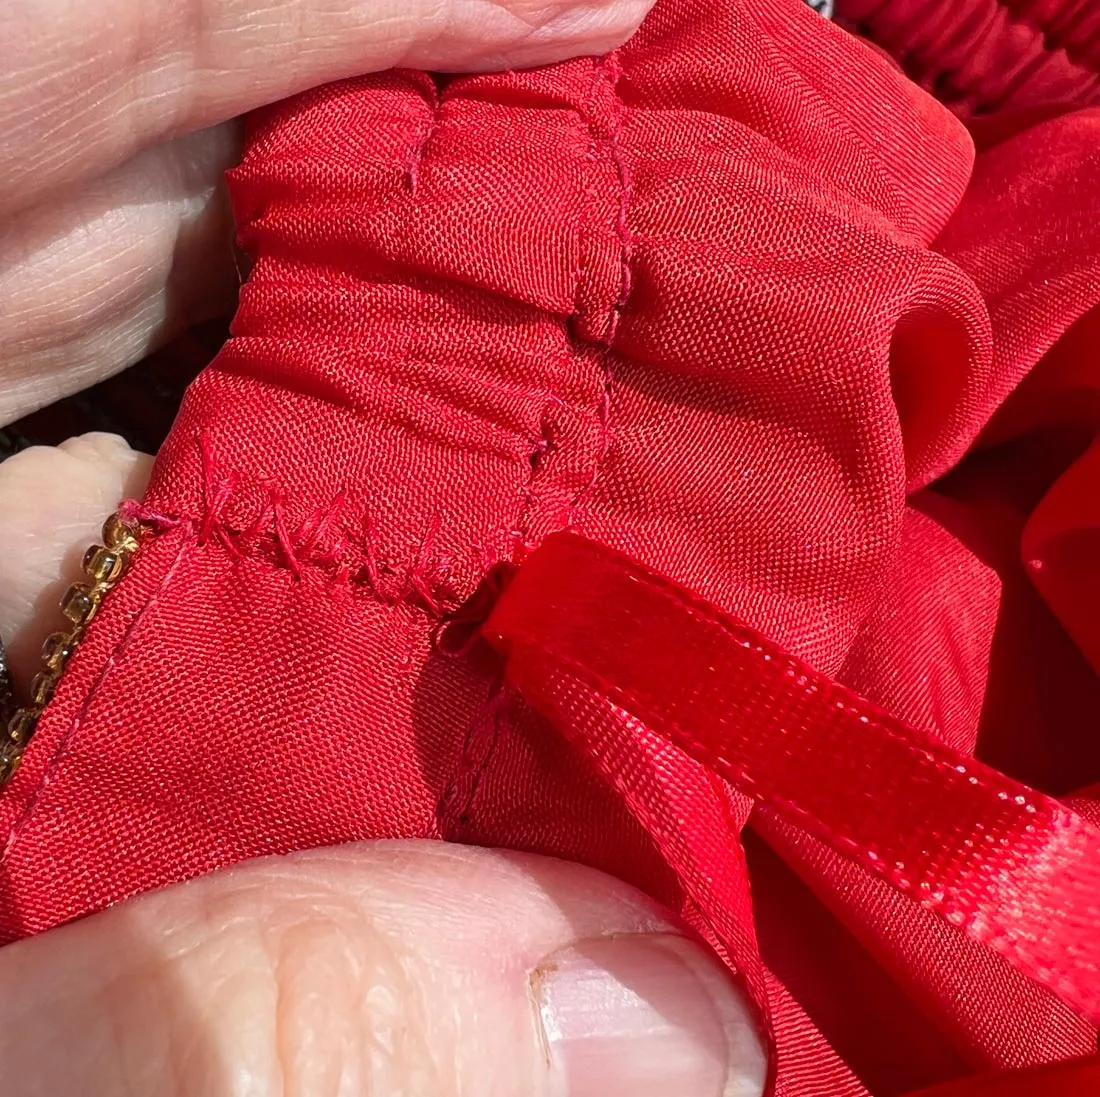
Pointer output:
x,y
737,301
998,63
1078,1078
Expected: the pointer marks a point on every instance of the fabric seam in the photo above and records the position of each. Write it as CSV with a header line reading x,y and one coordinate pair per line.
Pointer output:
x,y
472,763
67,737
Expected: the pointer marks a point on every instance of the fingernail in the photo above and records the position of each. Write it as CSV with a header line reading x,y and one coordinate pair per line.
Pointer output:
x,y
650,1015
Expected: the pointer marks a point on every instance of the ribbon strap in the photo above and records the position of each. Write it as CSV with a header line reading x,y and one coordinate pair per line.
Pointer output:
x,y
1014,869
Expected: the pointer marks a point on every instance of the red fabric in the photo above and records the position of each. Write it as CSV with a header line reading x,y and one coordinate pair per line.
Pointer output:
x,y
1080,1078
738,301
1000,64
1013,870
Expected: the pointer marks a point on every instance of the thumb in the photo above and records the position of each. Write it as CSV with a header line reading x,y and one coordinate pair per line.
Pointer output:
x,y
393,968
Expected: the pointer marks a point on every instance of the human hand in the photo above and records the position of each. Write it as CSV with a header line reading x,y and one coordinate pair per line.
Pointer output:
x,y
393,968
117,125
385,969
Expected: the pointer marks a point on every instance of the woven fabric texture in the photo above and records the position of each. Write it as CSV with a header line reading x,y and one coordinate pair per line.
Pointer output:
x,y
739,300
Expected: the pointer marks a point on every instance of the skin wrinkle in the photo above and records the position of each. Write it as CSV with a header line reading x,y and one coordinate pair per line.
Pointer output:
x,y
103,271
522,27
365,970
118,998
380,976
102,290
185,1049
182,67
233,996
441,16
87,285
158,179
109,1003
291,943
46,113
142,996
60,371
284,1059
416,1042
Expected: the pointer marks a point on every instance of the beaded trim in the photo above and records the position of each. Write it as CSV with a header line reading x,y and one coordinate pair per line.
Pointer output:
x,y
104,565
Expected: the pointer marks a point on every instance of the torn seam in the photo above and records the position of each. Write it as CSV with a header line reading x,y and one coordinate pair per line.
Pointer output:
x,y
423,584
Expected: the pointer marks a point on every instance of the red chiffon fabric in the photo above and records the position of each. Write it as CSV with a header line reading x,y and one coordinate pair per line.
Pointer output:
x,y
737,301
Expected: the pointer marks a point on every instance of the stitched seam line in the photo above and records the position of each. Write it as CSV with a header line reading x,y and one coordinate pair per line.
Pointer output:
x,y
332,542
469,771
605,70
611,72
459,795
477,751
20,825
423,587
867,858
420,149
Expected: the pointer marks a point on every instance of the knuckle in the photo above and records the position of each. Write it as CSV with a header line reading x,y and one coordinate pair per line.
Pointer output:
x,y
347,1008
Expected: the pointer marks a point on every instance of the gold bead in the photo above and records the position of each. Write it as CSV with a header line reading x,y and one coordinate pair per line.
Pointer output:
x,y
21,727
102,565
57,649
120,535
80,603
42,688
10,757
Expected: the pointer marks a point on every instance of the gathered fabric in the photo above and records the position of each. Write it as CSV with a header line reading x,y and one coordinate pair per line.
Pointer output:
x,y
732,325
999,64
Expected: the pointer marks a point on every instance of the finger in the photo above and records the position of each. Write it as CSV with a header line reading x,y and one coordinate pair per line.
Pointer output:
x,y
384,969
52,504
90,283
85,86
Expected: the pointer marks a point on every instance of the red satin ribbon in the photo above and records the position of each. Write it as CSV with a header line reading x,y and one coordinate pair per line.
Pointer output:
x,y
1011,867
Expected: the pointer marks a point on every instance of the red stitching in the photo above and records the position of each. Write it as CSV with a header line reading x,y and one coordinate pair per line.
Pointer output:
x,y
317,526
227,543
370,554
869,858
133,511
477,749
419,150
520,534
607,70
285,541
423,570
216,489
714,618
426,583
587,117
612,71
321,541
187,539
